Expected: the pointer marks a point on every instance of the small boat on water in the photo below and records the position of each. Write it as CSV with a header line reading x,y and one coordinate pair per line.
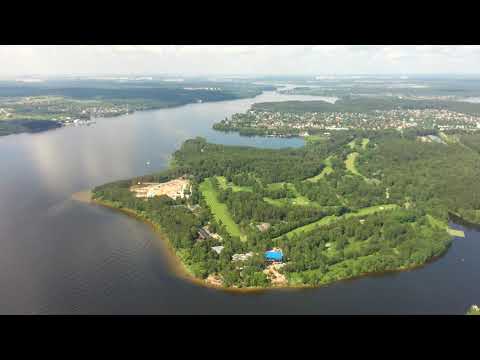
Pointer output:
x,y
147,163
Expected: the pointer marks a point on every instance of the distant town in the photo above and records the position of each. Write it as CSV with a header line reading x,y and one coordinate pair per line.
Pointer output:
x,y
302,123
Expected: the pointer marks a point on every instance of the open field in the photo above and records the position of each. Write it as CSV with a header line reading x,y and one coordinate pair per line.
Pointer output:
x,y
219,210
332,218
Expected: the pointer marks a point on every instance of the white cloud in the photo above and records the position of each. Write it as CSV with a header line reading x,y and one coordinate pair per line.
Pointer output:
x,y
236,59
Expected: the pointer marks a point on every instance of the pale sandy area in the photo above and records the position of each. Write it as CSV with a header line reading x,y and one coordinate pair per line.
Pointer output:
x,y
173,188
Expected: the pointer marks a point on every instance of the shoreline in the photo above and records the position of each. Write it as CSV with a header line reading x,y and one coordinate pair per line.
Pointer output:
x,y
180,270
174,262
170,106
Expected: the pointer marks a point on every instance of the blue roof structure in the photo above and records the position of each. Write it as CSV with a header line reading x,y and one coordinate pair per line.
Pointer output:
x,y
273,255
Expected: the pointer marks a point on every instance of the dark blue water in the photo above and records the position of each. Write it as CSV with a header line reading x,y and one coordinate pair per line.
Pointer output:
x,y
60,256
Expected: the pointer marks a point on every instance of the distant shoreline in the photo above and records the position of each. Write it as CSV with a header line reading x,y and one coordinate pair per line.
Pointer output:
x,y
56,124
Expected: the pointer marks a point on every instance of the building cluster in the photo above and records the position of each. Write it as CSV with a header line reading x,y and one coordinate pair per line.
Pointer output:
x,y
61,109
205,233
377,120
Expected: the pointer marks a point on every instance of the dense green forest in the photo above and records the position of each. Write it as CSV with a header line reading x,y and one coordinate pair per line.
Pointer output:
x,y
333,215
158,91
20,126
434,176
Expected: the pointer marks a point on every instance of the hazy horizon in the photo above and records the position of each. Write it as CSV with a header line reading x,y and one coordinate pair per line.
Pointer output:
x,y
237,60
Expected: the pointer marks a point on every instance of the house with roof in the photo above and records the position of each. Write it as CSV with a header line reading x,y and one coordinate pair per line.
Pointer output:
x,y
274,255
203,234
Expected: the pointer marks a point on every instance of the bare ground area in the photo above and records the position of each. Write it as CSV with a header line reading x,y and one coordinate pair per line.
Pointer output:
x,y
214,280
83,196
276,278
173,188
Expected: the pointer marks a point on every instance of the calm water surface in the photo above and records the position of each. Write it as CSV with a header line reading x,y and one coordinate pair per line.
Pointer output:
x,y
58,256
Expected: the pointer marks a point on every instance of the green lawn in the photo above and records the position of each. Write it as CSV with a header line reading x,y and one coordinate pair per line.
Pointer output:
x,y
219,210
332,218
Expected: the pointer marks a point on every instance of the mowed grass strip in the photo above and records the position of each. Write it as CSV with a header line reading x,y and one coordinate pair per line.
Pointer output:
x,y
332,218
299,201
350,165
219,210
326,170
365,142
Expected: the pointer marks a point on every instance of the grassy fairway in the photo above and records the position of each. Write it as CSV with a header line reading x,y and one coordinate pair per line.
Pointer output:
x,y
235,188
276,186
300,201
219,210
332,218
365,142
222,181
326,170
350,163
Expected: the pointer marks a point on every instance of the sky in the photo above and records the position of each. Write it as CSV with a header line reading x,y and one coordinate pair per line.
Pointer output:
x,y
59,60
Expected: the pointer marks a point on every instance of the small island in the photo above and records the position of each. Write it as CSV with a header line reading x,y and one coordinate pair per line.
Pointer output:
x,y
342,206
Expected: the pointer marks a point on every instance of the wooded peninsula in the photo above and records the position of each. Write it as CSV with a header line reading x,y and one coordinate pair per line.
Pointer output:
x,y
344,205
